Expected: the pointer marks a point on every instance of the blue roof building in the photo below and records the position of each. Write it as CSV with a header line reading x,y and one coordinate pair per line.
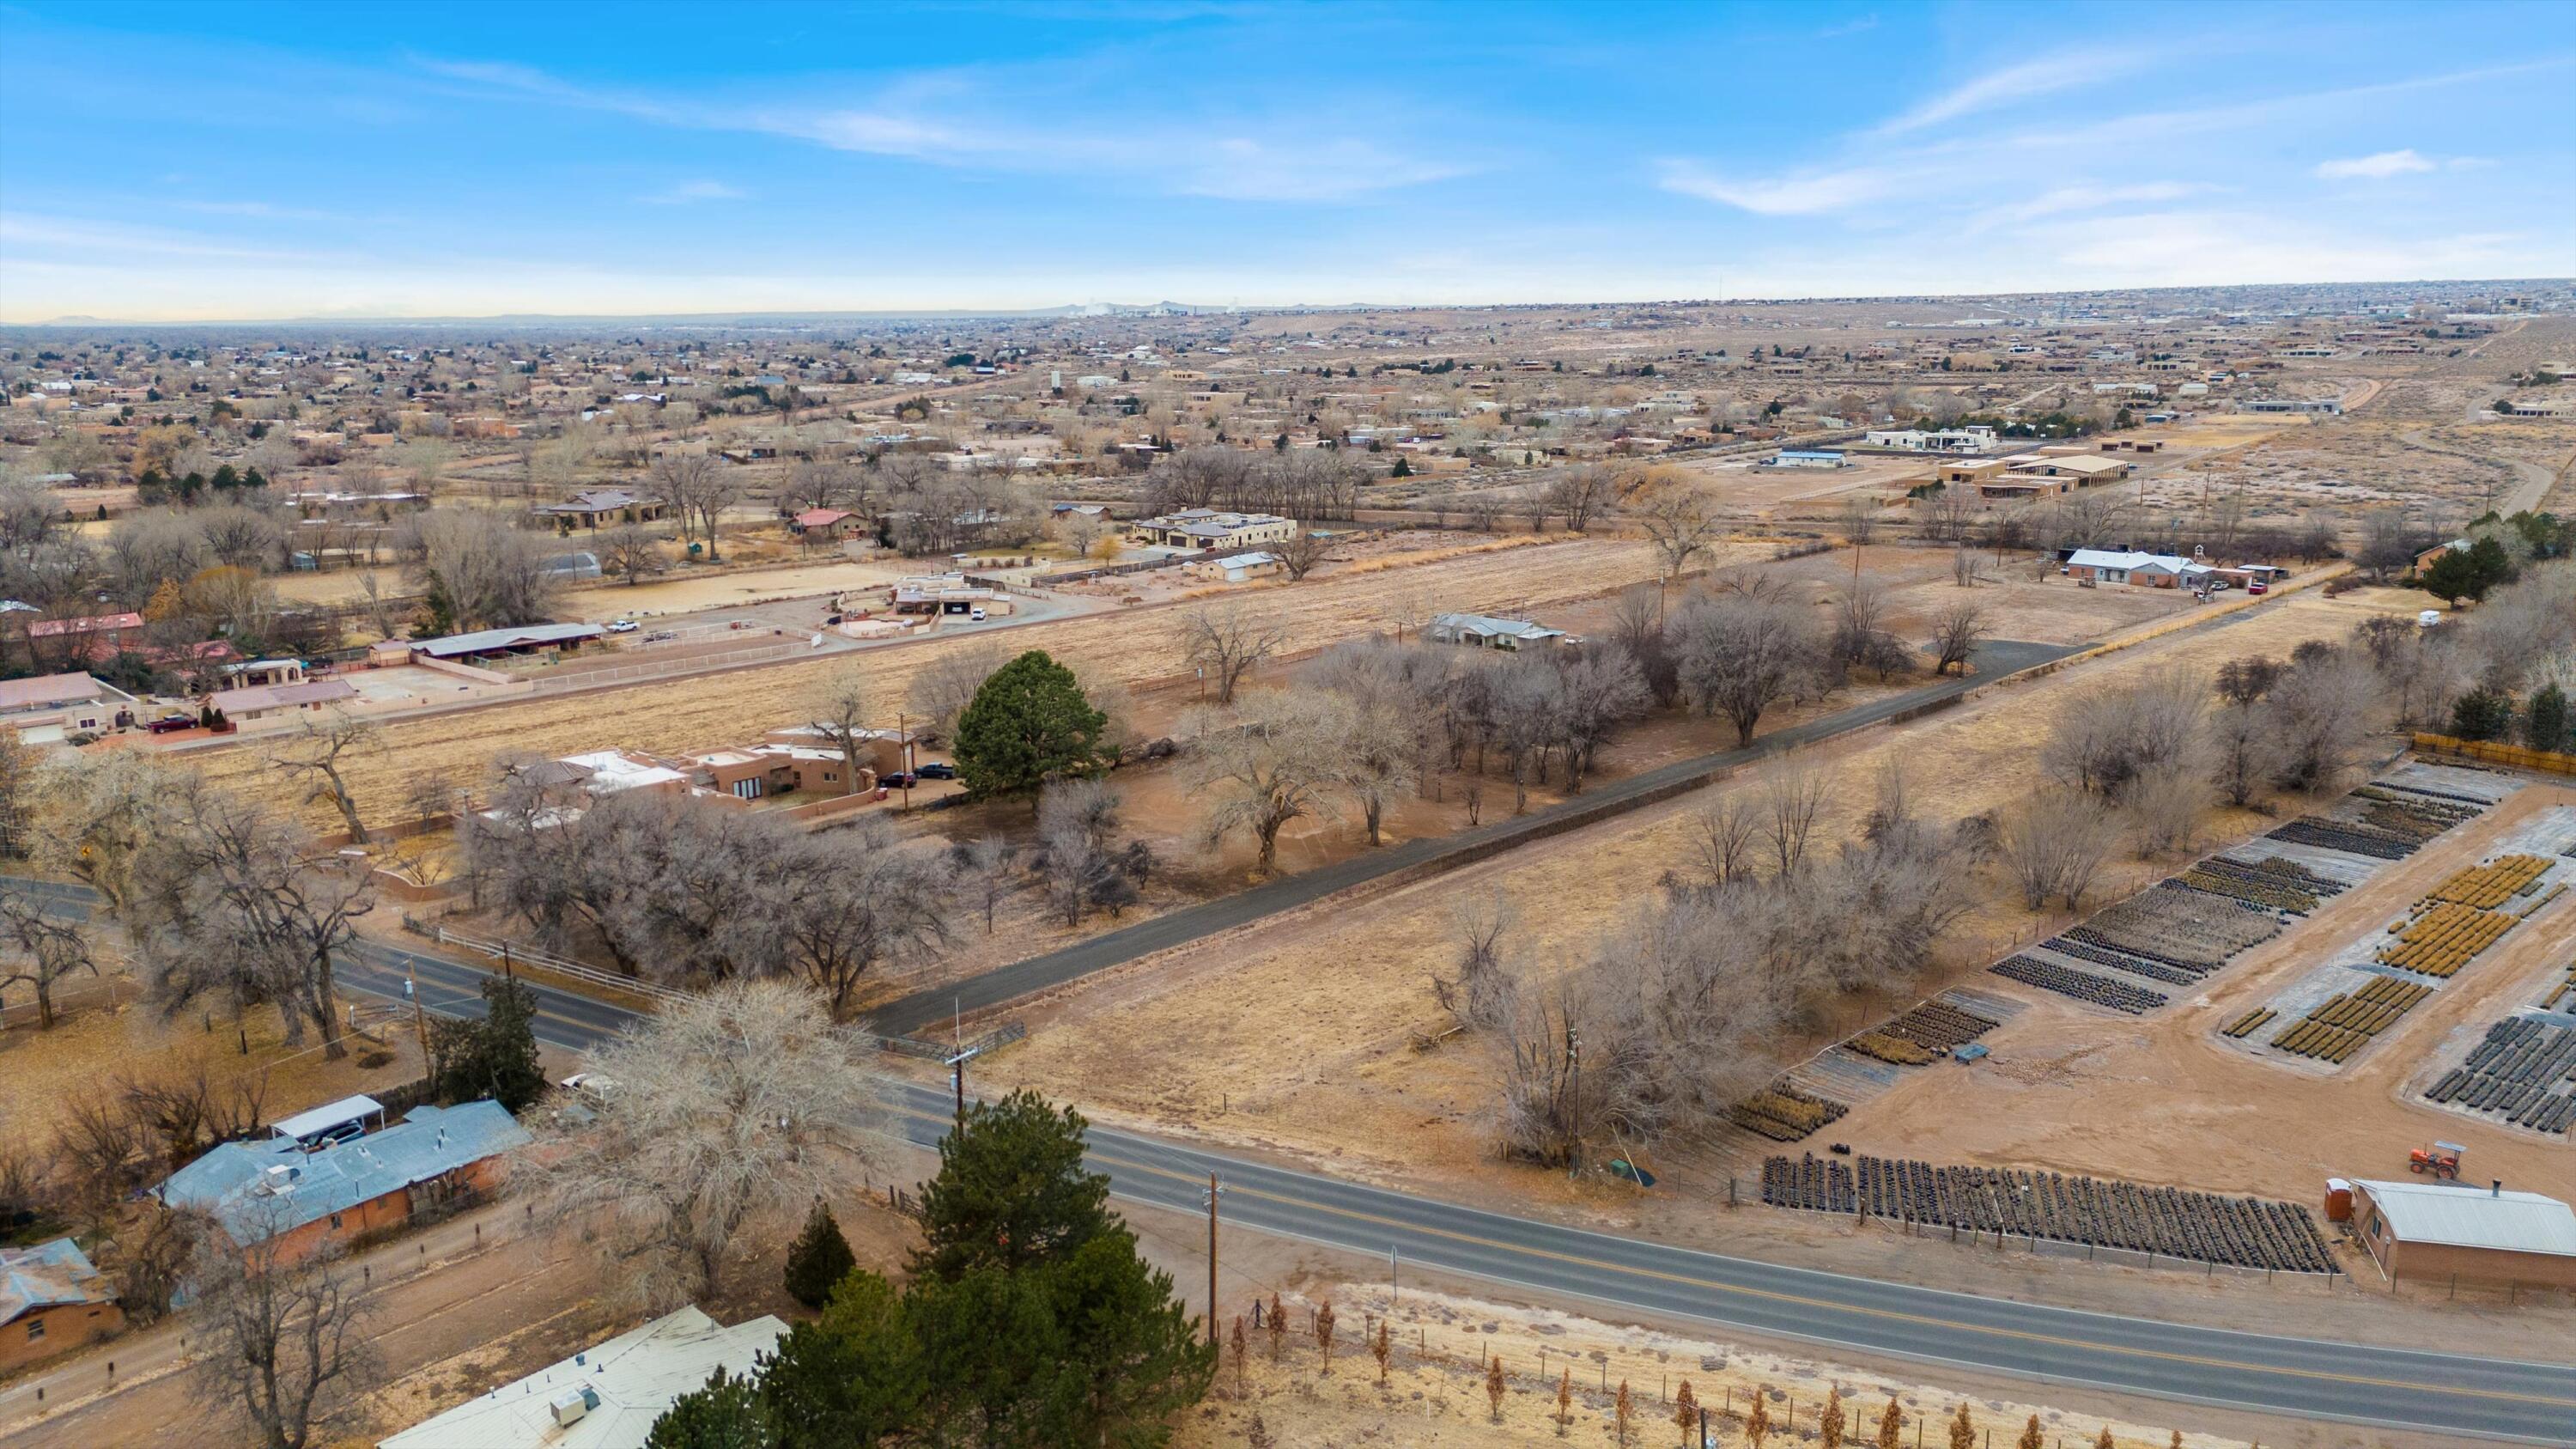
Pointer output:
x,y
263,1190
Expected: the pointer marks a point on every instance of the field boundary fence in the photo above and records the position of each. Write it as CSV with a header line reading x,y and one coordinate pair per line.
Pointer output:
x,y
514,956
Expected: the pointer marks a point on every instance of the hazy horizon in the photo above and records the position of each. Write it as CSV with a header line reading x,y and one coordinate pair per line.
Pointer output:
x,y
290,163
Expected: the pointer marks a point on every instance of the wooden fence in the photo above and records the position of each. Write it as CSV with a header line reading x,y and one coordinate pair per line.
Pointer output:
x,y
2497,753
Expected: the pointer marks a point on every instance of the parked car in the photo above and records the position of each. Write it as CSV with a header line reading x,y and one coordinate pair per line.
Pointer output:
x,y
623,626
2258,587
660,636
171,724
936,771
895,781
976,614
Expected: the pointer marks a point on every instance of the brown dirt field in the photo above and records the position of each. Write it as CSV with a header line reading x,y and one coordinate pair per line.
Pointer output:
x,y
1306,1044
1434,1393
2160,1099
93,1044
702,712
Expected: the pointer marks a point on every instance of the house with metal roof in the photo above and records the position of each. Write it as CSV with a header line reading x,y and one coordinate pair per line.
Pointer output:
x,y
2435,1231
1484,631
435,1158
52,1301
606,1397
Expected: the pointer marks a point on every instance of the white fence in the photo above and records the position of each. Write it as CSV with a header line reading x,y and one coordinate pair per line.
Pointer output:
x,y
515,955
657,669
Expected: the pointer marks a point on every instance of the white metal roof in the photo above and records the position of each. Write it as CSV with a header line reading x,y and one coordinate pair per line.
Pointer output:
x,y
2475,1217
329,1114
634,1376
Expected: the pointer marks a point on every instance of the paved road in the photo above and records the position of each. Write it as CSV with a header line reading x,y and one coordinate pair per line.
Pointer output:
x,y
2390,1388
909,1014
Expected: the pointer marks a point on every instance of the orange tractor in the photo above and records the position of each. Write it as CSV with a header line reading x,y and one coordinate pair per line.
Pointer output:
x,y
2442,1159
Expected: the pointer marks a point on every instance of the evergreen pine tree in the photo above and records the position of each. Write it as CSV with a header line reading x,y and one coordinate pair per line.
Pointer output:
x,y
1027,724
726,1414
2483,713
853,1376
2545,721
1891,1425
1963,1430
819,1258
1011,1190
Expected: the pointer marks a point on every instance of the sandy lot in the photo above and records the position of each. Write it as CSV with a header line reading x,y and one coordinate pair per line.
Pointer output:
x,y
2161,1099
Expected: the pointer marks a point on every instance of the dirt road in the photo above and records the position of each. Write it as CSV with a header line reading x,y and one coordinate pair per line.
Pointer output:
x,y
441,1295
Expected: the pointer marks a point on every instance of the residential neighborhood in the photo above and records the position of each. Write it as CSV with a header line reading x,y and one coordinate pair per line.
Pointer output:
x,y
1286,726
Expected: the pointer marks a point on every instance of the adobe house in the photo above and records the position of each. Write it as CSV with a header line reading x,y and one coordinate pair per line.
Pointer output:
x,y
52,1301
278,1191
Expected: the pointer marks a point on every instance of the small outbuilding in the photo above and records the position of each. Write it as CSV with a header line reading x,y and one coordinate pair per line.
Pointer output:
x,y
2435,1231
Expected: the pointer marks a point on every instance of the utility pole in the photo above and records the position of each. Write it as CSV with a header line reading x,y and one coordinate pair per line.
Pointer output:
x,y
1573,1100
903,733
411,988
1213,1188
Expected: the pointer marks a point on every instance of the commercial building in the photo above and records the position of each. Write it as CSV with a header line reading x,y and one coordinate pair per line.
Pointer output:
x,y
2433,1231
1974,439
606,1397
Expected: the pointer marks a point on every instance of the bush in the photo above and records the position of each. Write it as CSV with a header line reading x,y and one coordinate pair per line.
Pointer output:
x,y
2483,713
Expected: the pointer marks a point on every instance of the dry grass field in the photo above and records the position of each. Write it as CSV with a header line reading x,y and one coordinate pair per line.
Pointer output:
x,y
1302,1037
1135,647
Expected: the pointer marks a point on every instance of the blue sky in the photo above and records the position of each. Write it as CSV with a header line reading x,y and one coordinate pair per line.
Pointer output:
x,y
214,161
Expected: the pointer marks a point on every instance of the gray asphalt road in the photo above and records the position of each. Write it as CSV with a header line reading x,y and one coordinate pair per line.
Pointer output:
x,y
2389,1388
906,1015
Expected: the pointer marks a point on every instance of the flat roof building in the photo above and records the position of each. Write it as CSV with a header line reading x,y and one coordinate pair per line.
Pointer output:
x,y
605,1397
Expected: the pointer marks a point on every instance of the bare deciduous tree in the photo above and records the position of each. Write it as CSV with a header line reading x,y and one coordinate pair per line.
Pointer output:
x,y
1581,493
317,755
1270,762
228,901
1224,640
2055,844
1737,654
2105,738
630,552
1956,633
1793,795
1722,832
986,875
728,1108
38,951
285,1343
1681,524
489,573
1300,552
943,688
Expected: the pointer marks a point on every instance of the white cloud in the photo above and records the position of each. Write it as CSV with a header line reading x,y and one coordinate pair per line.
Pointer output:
x,y
2377,167
1284,162
693,191
1804,194
2046,75
2065,199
